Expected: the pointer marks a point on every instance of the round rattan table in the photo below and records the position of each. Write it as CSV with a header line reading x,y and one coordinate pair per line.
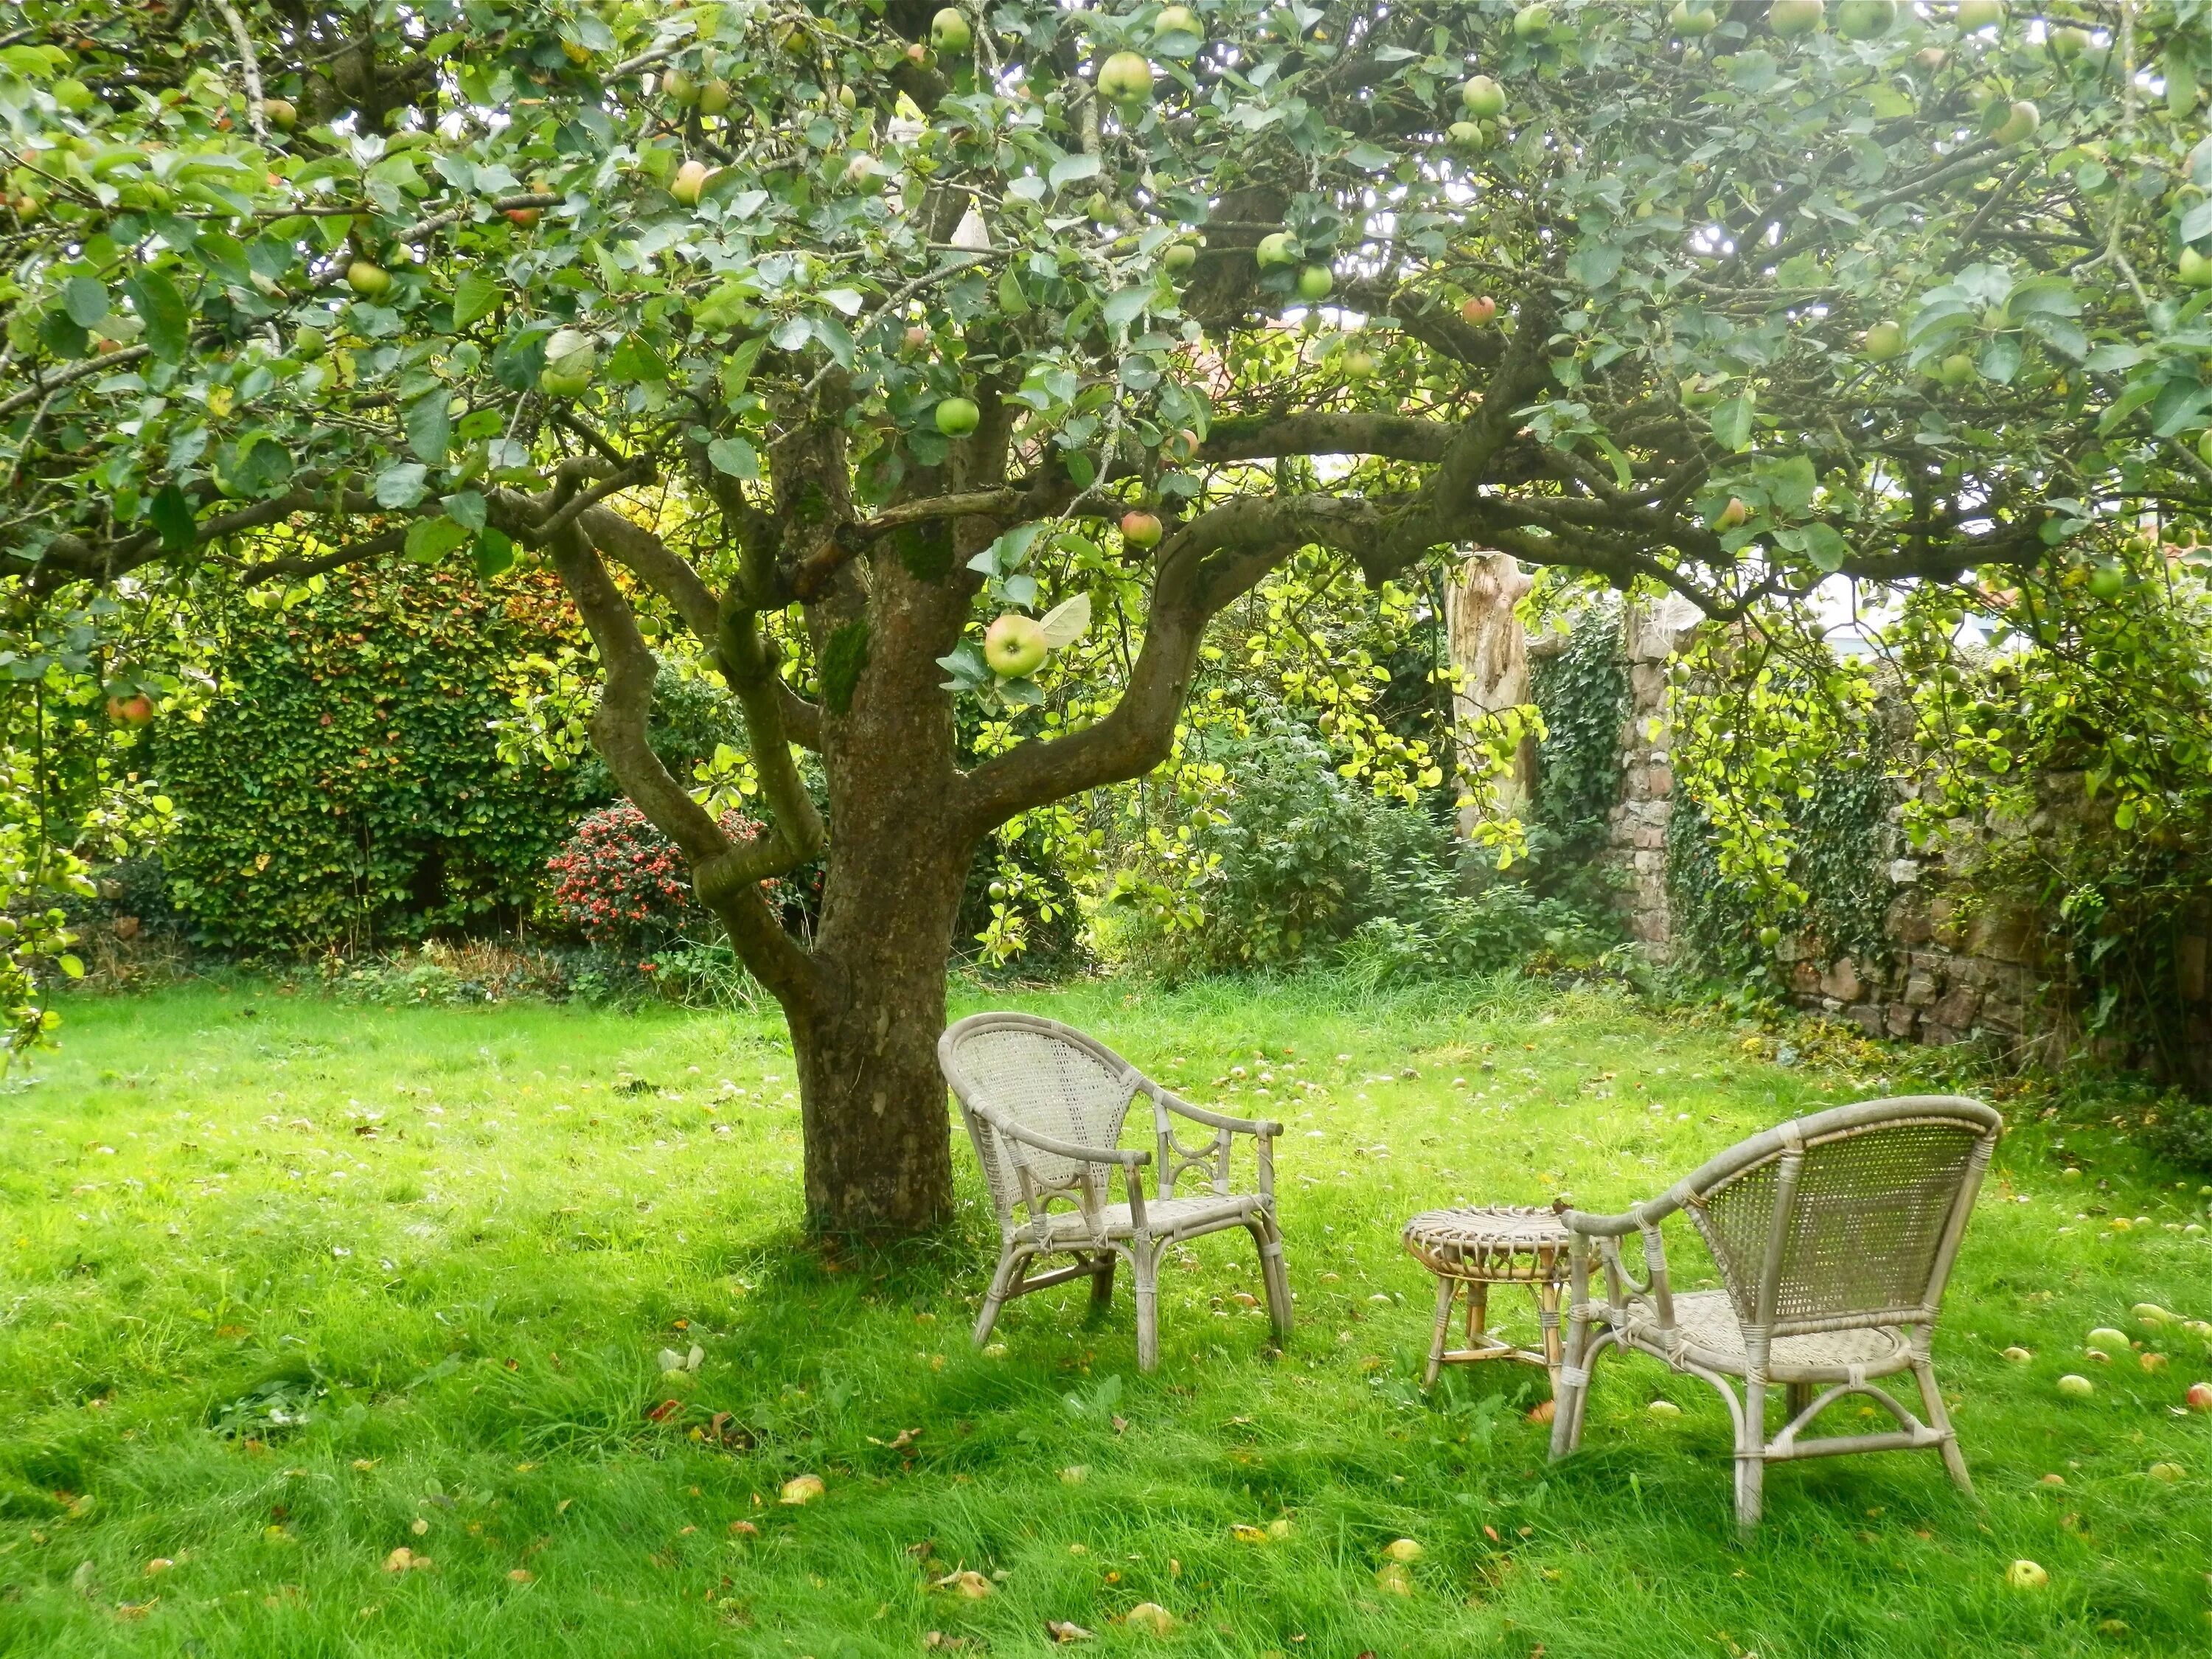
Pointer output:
x,y
1475,1248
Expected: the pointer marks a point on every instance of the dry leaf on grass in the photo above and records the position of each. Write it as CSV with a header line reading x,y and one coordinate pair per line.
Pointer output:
x,y
1151,1616
743,1529
1060,1630
1249,1535
969,1582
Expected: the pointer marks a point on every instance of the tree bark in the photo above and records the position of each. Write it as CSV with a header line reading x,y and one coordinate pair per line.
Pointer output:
x,y
1490,649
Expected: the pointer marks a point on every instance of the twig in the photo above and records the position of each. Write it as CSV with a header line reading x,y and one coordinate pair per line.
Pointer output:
x,y
250,66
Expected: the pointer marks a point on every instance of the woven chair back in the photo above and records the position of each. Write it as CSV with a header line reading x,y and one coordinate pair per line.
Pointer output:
x,y
1044,1077
1853,1218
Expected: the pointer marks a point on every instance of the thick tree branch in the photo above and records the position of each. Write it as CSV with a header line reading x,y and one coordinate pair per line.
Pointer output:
x,y
1258,437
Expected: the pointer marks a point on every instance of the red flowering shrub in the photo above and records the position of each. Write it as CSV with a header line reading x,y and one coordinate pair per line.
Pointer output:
x,y
624,884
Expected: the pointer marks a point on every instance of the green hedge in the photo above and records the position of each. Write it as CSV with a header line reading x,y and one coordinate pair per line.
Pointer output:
x,y
344,786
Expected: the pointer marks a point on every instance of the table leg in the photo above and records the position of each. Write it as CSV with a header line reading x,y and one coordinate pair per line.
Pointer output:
x,y
1478,1313
1548,1315
1446,1289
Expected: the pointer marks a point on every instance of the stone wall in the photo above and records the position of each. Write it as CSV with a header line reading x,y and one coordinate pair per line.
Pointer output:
x,y
1952,971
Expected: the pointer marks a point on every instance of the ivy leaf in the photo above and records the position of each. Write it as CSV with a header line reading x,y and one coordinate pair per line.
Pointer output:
x,y
475,295
161,308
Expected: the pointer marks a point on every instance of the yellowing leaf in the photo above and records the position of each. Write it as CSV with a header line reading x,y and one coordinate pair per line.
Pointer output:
x,y
1150,1617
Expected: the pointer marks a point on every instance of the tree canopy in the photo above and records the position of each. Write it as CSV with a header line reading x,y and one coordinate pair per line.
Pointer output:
x,y
829,333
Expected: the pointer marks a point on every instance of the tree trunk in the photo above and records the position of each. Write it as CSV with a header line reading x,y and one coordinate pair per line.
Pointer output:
x,y
879,1135
872,1102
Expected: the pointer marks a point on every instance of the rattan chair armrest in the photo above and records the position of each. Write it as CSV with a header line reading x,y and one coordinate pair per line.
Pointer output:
x,y
1127,1155
1182,1108
1633,1219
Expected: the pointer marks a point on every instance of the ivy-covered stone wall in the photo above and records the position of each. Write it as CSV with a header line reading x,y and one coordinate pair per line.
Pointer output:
x,y
1897,940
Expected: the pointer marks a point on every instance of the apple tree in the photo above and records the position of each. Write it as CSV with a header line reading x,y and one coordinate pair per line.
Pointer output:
x,y
880,348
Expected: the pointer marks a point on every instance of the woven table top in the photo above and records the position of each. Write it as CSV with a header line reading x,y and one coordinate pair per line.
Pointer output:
x,y
1499,1241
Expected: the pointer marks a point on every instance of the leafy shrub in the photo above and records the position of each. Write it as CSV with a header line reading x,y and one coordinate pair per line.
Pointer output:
x,y
1294,861
344,786
1503,926
624,885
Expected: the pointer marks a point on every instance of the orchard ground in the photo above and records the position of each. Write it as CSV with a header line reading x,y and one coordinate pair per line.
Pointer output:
x,y
286,1286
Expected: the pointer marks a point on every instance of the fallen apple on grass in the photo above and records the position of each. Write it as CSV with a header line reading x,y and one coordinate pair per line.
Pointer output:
x,y
2025,1576
2074,1386
2199,1396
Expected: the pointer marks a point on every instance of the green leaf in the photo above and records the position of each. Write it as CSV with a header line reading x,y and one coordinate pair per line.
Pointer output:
x,y
735,456
400,485
1124,306
466,508
171,515
1071,170
1012,300
1825,547
1595,263
738,368
429,540
475,295
1370,158
85,299
430,426
161,307
492,552
1732,424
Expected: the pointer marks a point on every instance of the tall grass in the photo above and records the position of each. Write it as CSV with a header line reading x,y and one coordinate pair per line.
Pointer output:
x,y
286,1285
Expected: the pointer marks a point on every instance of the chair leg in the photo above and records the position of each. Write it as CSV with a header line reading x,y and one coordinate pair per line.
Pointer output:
x,y
1939,1419
1447,1288
1145,1271
1102,1282
1796,1398
1750,1456
1008,1274
1274,1275
1568,1399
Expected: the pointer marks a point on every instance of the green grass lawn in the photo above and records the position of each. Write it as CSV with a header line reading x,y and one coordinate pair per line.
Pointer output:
x,y
286,1286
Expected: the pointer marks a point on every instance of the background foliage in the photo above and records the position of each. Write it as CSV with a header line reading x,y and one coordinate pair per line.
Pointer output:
x,y
343,785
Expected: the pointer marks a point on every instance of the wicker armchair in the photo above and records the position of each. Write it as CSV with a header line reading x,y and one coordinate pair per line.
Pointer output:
x,y
1834,1235
1045,1105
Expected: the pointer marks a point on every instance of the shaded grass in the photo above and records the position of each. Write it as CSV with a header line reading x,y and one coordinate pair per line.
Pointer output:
x,y
453,1242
